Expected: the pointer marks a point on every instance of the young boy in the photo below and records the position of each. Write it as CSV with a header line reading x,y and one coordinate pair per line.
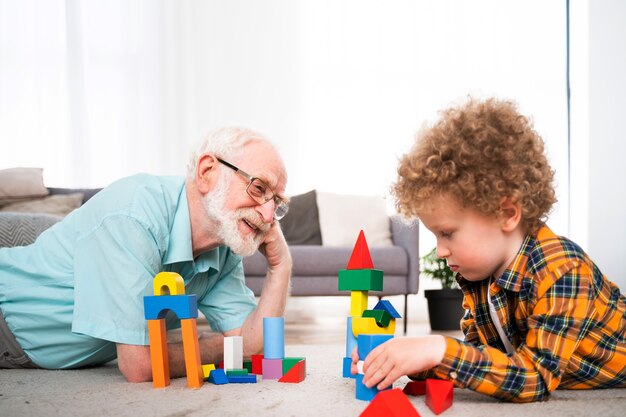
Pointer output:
x,y
539,313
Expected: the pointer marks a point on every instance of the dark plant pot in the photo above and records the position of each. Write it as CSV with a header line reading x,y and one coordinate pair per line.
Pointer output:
x,y
445,308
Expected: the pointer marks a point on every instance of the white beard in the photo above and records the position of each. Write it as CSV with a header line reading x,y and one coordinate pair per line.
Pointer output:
x,y
228,221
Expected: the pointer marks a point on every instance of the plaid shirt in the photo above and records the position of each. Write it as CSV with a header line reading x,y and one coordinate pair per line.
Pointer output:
x,y
566,321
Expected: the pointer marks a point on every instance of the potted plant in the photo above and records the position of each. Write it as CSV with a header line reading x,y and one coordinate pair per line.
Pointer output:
x,y
445,306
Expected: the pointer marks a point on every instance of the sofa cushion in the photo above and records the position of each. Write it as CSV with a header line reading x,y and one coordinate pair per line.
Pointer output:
x,y
21,183
301,224
59,205
321,260
343,216
21,229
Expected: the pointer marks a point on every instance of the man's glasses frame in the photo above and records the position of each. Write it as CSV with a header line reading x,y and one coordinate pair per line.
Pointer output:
x,y
260,192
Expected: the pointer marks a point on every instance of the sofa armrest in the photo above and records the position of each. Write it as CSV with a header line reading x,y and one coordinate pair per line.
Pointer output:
x,y
406,235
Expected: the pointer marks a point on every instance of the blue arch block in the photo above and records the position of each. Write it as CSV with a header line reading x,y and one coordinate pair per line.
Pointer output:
x,y
156,306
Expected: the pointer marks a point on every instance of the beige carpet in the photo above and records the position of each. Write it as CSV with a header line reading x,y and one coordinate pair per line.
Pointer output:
x,y
103,391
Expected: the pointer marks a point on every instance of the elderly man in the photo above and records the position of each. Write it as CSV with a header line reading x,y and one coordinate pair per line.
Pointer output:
x,y
74,298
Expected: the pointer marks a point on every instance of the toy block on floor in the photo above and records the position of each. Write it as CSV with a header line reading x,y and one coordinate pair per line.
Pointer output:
x,y
206,370
156,306
381,316
390,403
360,280
233,352
191,351
158,353
242,379
362,392
388,307
257,364
248,366
415,388
296,373
360,258
272,368
289,363
367,325
273,337
218,377
358,302
439,395
232,372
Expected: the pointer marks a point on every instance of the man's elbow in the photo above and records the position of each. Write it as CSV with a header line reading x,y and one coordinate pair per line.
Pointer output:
x,y
136,372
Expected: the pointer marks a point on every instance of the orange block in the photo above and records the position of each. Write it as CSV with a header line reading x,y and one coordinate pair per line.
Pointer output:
x,y
439,395
360,258
191,347
158,353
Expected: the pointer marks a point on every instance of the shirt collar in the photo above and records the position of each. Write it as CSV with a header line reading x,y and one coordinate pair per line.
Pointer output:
x,y
180,244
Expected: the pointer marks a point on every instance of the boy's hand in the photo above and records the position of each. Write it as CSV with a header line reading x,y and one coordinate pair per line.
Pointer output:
x,y
398,357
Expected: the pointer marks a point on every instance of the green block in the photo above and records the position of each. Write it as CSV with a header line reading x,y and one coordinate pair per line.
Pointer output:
x,y
288,363
360,280
231,372
382,317
248,366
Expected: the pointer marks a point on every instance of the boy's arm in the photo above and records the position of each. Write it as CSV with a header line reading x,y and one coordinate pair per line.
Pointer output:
x,y
555,326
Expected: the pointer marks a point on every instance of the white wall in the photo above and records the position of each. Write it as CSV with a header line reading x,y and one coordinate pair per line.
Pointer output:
x,y
599,107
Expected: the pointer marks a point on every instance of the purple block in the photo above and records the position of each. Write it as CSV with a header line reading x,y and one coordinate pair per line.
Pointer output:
x,y
272,368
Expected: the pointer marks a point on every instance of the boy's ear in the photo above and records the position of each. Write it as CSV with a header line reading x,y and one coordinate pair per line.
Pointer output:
x,y
206,172
511,214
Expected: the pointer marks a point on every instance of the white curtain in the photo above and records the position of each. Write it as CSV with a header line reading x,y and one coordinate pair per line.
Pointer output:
x,y
95,90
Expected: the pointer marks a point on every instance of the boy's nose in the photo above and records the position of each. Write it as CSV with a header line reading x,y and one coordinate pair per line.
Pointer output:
x,y
442,251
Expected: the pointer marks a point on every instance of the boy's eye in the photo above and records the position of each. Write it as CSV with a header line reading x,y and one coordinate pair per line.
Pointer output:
x,y
446,235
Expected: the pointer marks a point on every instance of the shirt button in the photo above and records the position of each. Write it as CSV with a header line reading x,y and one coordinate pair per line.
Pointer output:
x,y
453,375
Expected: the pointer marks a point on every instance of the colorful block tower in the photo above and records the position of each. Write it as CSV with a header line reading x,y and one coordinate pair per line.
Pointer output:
x,y
365,328
186,309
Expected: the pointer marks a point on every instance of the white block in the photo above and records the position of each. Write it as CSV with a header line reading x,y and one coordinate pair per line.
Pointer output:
x,y
233,352
359,367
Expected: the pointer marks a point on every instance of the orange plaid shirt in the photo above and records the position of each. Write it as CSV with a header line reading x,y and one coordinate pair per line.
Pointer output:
x,y
566,321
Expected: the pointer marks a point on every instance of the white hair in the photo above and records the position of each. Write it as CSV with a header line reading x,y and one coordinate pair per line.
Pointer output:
x,y
226,143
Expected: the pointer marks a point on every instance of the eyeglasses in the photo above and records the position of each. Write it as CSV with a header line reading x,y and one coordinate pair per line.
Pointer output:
x,y
260,191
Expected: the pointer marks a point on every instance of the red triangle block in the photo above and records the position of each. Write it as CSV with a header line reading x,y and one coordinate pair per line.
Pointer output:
x,y
392,403
360,258
415,388
439,395
296,373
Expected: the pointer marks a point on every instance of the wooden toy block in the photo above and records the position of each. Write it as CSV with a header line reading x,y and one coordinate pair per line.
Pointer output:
x,y
156,306
273,337
360,280
350,338
358,303
367,342
364,393
206,370
191,349
388,307
381,316
367,325
439,395
218,377
170,281
272,368
232,372
360,258
248,366
347,362
296,373
390,403
257,364
158,353
415,388
288,363
220,365
242,379
233,352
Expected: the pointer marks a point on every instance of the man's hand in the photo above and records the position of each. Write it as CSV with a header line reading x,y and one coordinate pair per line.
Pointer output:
x,y
274,248
398,357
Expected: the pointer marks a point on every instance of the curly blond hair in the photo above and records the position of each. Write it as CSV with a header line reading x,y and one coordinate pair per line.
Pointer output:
x,y
478,153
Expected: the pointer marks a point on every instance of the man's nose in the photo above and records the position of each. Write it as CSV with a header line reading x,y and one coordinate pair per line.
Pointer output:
x,y
267,211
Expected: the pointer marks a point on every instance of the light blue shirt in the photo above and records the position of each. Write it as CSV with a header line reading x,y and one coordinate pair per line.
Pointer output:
x,y
78,290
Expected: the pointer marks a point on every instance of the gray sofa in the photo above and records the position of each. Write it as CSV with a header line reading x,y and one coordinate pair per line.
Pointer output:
x,y
315,267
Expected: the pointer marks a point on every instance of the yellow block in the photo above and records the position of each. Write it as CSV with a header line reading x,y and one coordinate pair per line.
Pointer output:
x,y
367,325
171,280
358,303
206,370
